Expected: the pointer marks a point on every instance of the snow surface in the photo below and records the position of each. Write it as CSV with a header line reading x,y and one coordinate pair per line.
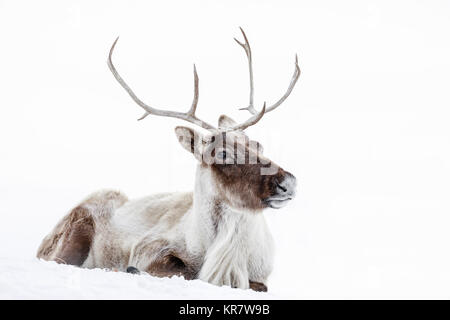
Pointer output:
x,y
38,279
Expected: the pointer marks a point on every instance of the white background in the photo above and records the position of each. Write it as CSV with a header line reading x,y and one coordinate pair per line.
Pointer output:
x,y
366,130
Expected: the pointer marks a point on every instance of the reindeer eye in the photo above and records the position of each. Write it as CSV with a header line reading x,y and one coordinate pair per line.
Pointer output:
x,y
222,155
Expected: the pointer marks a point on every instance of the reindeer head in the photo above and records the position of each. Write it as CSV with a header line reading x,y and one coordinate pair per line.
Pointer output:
x,y
245,177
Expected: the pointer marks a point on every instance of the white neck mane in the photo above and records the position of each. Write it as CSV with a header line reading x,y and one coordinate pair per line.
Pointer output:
x,y
236,245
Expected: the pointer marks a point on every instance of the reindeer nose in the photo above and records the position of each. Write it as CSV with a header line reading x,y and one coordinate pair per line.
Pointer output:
x,y
287,187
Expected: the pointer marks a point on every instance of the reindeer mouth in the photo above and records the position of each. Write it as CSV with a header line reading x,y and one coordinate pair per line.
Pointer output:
x,y
276,202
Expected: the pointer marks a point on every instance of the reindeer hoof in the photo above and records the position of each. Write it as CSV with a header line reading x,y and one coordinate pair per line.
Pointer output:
x,y
258,286
132,270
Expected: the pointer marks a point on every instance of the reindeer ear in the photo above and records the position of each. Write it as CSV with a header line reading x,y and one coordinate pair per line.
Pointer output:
x,y
226,122
191,140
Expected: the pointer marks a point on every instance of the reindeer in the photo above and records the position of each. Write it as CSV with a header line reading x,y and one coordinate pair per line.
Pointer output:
x,y
217,233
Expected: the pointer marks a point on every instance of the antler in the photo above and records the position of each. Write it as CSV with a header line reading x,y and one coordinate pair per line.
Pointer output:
x,y
294,79
187,116
190,114
256,117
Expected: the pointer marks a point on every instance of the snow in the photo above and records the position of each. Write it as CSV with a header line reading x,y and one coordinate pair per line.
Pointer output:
x,y
38,279
366,132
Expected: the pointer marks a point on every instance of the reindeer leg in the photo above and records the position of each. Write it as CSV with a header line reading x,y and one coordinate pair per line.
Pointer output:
x,y
160,259
77,243
71,240
170,264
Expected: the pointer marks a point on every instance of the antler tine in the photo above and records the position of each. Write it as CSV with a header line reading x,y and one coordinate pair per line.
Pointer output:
x,y
253,120
195,100
294,79
188,116
248,52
